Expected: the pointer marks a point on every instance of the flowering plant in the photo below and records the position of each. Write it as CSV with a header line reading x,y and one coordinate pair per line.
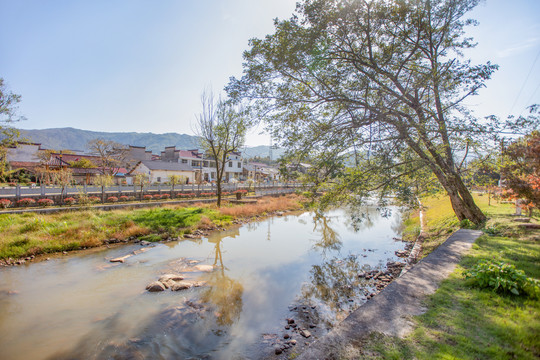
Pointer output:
x,y
70,201
45,202
123,198
112,199
26,202
147,197
5,203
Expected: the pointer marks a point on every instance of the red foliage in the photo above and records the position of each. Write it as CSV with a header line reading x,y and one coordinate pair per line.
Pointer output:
x,y
5,203
45,202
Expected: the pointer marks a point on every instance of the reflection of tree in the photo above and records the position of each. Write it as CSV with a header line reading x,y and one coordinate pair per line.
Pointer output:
x,y
329,237
333,283
223,292
361,217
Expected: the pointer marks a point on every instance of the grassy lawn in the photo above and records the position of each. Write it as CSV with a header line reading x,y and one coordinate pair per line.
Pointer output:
x,y
26,234
463,322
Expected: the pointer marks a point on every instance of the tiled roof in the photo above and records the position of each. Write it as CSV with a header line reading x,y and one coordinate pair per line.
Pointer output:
x,y
165,165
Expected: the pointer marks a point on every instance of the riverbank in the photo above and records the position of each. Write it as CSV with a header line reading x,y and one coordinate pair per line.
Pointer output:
x,y
29,236
461,321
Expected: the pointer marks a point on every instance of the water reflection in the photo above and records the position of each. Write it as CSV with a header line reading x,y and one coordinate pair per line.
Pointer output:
x,y
329,239
222,292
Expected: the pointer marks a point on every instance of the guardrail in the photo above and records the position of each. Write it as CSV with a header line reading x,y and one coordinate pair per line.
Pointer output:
x,y
43,191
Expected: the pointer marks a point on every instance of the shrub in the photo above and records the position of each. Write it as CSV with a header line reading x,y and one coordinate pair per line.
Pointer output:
x,y
26,202
93,199
70,201
165,196
5,203
131,198
225,193
502,277
466,224
186,195
241,191
112,199
45,202
123,198
209,194
157,196
147,197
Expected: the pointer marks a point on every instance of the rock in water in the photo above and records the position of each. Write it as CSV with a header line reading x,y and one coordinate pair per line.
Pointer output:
x,y
305,333
155,287
204,268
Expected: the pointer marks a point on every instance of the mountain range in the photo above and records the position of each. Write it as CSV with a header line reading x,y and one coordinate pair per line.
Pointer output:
x,y
76,139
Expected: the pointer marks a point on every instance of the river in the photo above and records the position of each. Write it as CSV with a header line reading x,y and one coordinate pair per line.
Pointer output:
x,y
81,306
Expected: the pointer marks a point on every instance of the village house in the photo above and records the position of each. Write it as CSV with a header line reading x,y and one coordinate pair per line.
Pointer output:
x,y
159,171
260,172
204,164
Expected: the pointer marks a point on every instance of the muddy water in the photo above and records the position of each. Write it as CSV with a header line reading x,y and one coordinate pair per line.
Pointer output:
x,y
84,307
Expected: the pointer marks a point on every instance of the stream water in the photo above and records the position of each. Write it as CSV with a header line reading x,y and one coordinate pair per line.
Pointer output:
x,y
81,306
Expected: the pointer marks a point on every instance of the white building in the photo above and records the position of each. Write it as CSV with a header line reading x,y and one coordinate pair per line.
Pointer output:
x,y
204,164
160,171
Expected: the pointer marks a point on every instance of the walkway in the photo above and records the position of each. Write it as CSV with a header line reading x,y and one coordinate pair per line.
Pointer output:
x,y
390,311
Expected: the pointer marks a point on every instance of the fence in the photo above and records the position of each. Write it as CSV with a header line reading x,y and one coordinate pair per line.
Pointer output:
x,y
18,192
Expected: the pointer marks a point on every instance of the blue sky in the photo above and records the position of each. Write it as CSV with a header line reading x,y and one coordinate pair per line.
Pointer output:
x,y
140,65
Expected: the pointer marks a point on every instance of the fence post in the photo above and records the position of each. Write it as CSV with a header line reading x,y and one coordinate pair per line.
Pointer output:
x,y
18,192
159,188
42,188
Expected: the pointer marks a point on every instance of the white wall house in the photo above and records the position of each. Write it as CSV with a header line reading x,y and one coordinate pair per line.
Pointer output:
x,y
159,171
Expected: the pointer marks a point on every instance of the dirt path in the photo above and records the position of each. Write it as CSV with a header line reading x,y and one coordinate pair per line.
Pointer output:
x,y
389,312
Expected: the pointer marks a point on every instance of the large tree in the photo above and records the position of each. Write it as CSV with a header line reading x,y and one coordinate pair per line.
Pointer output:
x,y
380,81
221,127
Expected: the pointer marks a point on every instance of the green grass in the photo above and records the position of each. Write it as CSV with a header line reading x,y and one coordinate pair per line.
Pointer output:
x,y
31,234
469,323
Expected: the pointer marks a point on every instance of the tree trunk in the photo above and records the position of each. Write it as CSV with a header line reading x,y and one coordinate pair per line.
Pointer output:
x,y
462,201
218,183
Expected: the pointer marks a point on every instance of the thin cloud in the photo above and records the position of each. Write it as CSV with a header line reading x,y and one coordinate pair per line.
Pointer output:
x,y
518,47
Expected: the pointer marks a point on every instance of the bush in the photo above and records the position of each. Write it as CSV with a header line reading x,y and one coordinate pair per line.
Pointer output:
x,y
112,199
466,224
45,202
208,194
502,277
241,191
147,197
157,196
5,203
70,201
165,196
123,198
131,198
186,195
26,202
94,199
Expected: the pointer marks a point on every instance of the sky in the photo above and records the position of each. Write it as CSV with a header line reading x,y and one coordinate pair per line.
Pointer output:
x,y
141,65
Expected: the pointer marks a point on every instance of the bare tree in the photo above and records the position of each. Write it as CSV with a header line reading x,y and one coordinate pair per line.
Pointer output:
x,y
112,155
221,127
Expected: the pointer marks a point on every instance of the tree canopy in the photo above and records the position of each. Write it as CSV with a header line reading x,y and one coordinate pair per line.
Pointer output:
x,y
379,83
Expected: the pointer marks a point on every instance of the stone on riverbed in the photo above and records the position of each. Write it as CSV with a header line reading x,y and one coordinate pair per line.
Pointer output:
x,y
155,286
170,279
183,285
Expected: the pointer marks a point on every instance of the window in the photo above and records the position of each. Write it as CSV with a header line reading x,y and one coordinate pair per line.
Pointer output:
x,y
184,161
159,179
239,165
205,164
230,163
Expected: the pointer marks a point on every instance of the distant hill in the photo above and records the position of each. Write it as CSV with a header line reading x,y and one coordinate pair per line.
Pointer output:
x,y
76,139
